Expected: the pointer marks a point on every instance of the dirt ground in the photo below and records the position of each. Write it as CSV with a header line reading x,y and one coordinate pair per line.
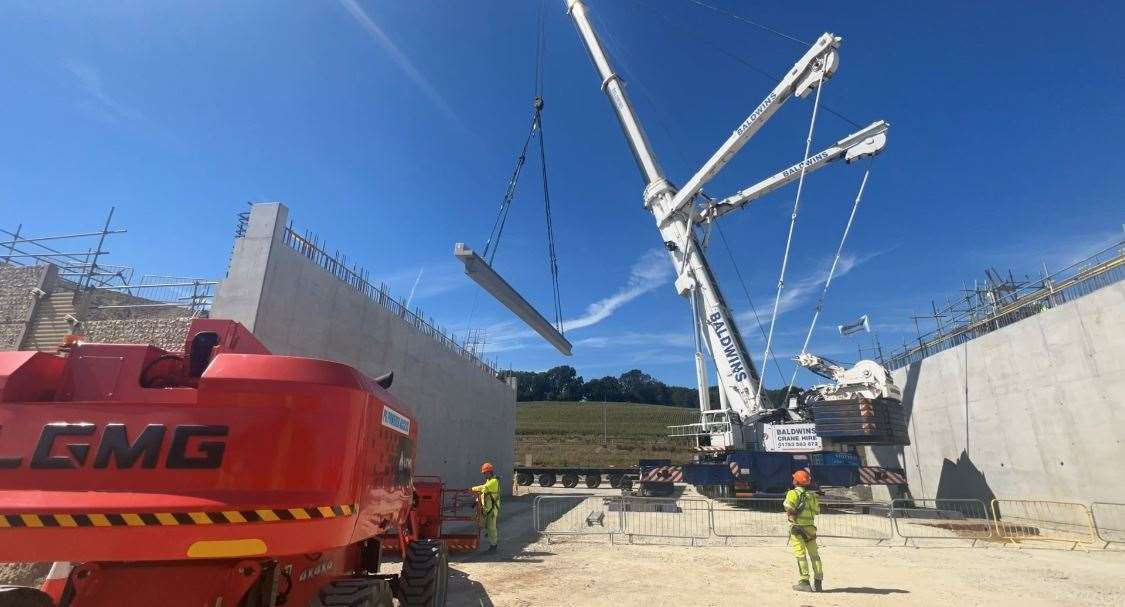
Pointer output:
x,y
527,571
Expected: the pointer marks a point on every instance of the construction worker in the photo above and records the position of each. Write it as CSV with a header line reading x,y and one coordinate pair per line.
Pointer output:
x,y
489,492
801,505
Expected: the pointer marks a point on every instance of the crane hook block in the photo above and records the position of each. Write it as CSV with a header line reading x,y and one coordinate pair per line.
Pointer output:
x,y
478,269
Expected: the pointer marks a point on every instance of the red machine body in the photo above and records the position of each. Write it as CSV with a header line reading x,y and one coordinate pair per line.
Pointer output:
x,y
232,474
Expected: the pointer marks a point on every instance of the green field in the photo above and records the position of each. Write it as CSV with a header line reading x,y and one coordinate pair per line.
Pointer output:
x,y
571,434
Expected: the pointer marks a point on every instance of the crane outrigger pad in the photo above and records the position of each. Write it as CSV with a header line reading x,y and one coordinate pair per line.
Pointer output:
x,y
478,269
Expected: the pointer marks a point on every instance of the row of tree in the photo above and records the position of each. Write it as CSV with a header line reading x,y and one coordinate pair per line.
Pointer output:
x,y
565,384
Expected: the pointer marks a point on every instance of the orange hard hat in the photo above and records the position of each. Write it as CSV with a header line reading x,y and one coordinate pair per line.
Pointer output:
x,y
802,478
486,468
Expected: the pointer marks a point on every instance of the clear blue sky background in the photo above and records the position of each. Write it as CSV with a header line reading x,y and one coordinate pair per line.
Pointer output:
x,y
390,129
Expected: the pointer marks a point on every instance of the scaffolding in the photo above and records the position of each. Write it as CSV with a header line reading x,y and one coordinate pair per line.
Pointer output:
x,y
1001,300
80,261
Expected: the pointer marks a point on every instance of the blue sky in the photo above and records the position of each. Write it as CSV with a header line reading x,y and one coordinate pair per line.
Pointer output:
x,y
390,128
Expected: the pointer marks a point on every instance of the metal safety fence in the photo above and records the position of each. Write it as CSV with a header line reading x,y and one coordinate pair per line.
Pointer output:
x,y
665,518
1043,520
1109,522
941,519
578,515
911,520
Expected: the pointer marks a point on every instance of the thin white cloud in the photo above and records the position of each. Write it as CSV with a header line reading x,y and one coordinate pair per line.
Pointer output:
x,y
401,60
802,291
428,280
651,271
97,101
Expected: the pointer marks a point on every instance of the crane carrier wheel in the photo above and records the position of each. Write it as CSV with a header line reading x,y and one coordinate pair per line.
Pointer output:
x,y
425,574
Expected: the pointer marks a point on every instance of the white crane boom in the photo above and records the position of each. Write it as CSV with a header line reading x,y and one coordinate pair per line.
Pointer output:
x,y
732,426
810,71
864,143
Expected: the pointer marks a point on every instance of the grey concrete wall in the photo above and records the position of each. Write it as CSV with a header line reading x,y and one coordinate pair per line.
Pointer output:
x,y
17,302
1034,410
465,415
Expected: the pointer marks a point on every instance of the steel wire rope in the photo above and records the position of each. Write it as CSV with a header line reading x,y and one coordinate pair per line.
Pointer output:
x,y
831,272
792,225
680,28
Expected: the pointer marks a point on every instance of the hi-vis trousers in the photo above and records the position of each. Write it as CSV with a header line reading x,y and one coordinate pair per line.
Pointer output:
x,y
803,543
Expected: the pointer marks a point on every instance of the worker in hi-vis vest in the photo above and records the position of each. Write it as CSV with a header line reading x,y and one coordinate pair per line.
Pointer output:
x,y
801,505
489,492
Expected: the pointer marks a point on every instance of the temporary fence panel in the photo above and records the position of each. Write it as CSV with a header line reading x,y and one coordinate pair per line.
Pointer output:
x,y
577,515
749,517
669,518
1109,521
854,520
1043,520
941,519
765,517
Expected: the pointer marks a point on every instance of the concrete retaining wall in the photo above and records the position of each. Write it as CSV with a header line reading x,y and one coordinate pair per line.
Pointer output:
x,y
1034,410
466,416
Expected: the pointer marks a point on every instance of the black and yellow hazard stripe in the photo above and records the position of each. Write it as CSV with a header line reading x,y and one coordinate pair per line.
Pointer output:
x,y
172,519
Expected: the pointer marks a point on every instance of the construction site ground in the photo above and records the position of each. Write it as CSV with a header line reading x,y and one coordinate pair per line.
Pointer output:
x,y
527,570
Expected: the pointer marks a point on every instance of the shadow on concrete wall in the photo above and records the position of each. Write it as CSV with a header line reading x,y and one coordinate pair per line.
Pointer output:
x,y
963,480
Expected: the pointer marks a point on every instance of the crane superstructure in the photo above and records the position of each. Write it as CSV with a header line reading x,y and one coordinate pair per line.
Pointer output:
x,y
735,423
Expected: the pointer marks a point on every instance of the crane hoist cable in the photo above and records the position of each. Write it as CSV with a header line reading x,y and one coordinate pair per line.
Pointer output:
x,y
792,225
831,271
534,132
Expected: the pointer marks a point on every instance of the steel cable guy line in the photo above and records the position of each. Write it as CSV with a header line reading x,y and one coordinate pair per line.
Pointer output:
x,y
738,17
831,272
679,28
792,224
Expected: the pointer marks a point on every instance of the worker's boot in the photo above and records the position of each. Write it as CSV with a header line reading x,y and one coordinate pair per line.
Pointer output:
x,y
802,586
817,585
492,548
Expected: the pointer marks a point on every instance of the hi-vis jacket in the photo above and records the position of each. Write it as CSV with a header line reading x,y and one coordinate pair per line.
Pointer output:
x,y
489,496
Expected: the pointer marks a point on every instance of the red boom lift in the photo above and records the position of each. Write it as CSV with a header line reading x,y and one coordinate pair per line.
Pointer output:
x,y
226,477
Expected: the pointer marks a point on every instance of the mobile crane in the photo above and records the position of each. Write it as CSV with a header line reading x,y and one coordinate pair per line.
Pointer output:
x,y
733,424
224,477
741,419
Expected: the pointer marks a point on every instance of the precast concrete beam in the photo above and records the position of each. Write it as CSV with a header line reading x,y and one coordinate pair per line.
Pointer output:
x,y
478,269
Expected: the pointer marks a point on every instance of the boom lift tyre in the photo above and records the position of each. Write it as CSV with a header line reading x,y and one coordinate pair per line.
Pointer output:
x,y
546,479
21,596
593,481
425,574
355,592
570,480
